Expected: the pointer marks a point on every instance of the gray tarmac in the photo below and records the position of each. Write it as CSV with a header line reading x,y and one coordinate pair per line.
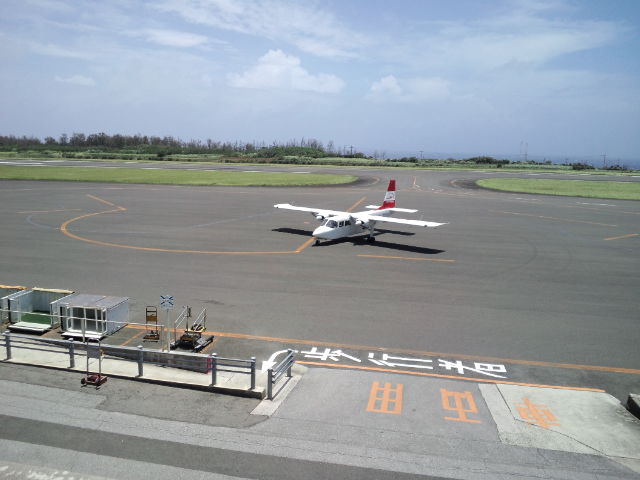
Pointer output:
x,y
512,277
534,289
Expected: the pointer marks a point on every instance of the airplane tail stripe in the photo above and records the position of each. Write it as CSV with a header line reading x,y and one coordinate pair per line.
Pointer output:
x,y
390,196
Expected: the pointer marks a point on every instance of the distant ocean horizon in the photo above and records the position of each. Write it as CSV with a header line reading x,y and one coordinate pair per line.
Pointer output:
x,y
594,160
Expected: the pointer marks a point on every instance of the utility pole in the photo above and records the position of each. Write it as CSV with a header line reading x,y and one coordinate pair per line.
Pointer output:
x,y
604,160
524,150
420,154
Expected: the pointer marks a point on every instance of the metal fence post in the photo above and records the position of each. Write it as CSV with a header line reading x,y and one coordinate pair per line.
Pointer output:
x,y
214,369
72,349
253,373
270,384
290,360
140,360
7,344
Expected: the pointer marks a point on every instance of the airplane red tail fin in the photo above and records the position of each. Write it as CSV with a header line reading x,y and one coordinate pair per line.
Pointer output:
x,y
390,196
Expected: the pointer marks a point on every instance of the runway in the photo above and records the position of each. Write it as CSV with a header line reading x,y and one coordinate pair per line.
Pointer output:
x,y
517,277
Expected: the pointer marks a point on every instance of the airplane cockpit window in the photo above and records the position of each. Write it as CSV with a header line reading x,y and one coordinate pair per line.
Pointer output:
x,y
332,224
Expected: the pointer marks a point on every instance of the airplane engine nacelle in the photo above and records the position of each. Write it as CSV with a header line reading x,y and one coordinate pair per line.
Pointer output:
x,y
360,222
319,217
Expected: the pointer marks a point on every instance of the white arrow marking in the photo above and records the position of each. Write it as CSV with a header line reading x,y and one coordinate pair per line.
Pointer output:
x,y
267,364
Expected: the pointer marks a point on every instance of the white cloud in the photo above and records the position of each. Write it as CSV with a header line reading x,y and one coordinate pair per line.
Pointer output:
x,y
301,24
389,88
531,33
172,38
53,50
277,70
76,80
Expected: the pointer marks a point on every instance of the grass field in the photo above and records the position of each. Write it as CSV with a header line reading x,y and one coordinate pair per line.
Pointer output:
x,y
170,177
570,188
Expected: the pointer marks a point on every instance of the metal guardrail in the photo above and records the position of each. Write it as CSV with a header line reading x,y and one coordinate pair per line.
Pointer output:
x,y
232,365
275,373
12,340
191,361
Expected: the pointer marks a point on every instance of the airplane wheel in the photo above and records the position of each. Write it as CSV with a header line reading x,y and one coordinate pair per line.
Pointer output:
x,y
317,243
371,239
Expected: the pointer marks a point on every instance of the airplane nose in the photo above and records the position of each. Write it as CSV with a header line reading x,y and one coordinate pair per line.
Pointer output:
x,y
320,232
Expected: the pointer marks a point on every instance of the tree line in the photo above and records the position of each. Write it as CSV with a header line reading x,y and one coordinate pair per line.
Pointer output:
x,y
169,145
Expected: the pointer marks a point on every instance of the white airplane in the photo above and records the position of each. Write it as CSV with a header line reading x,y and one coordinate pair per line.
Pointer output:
x,y
340,224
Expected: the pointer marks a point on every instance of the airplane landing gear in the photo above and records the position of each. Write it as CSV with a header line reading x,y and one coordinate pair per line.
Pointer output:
x,y
371,238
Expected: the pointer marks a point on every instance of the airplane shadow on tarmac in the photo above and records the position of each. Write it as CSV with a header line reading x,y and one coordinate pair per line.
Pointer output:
x,y
362,240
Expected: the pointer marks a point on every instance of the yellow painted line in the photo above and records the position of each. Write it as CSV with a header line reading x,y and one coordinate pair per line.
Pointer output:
x,y
408,258
623,236
559,219
245,336
450,377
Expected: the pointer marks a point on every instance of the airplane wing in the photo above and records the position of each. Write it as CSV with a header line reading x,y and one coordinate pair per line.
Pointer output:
x,y
314,211
404,221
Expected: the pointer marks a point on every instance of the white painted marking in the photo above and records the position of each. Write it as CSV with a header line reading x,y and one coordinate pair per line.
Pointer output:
x,y
596,204
267,364
23,164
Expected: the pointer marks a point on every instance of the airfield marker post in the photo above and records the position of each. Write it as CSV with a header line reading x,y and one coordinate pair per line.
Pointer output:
x,y
72,359
253,373
214,369
140,360
7,344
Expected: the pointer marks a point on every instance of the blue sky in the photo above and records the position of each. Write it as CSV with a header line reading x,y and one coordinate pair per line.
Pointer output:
x,y
557,78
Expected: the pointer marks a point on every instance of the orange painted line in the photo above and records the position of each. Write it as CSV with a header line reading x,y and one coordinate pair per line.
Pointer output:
x,y
313,239
50,333
623,236
210,345
132,339
445,260
104,201
63,228
559,219
596,368
450,377
385,401
458,406
305,245
355,205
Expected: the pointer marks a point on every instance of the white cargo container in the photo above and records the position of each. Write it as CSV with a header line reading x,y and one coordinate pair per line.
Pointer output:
x,y
5,292
35,310
92,317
